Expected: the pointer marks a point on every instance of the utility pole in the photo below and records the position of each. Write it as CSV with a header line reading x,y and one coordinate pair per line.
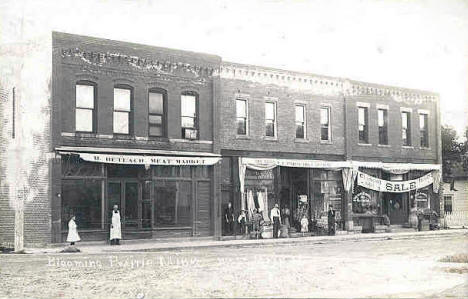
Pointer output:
x,y
18,191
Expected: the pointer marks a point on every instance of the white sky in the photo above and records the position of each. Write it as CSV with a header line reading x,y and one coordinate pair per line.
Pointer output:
x,y
415,44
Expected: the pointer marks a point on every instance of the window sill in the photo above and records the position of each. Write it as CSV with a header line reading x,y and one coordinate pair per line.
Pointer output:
x,y
301,140
407,146
85,134
326,142
365,144
157,138
384,145
247,137
266,138
124,137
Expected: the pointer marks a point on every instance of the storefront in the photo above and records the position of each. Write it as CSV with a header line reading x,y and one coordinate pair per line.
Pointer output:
x,y
303,188
158,196
384,190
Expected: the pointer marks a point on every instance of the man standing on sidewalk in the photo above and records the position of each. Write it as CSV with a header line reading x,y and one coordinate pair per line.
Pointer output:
x,y
115,230
276,218
229,218
331,221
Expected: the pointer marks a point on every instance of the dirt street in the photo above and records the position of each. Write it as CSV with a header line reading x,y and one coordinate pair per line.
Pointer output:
x,y
390,268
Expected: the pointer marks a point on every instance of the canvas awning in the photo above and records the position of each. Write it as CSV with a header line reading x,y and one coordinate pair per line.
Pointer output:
x,y
141,157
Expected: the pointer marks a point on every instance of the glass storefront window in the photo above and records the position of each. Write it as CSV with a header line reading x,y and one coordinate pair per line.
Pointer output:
x,y
172,203
365,201
82,198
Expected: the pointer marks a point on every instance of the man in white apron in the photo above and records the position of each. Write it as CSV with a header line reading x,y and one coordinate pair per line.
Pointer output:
x,y
115,229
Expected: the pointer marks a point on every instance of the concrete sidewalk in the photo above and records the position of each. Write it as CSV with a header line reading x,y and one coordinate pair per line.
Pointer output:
x,y
177,244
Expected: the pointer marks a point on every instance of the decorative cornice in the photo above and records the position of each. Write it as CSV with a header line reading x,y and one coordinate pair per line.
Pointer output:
x,y
322,85
101,59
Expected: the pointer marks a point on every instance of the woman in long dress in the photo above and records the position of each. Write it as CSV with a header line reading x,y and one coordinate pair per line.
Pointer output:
x,y
72,236
115,230
413,218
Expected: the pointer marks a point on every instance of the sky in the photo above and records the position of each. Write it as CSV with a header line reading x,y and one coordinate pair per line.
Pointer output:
x,y
414,44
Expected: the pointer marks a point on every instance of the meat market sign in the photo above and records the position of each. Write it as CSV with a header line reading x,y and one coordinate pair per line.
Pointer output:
x,y
377,184
149,160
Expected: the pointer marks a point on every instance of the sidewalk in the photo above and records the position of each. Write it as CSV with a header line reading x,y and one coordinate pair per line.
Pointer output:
x,y
177,244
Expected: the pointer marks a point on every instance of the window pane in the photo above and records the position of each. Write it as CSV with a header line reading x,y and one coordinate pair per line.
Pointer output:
x,y
156,103
131,204
300,131
84,96
188,122
188,105
324,115
380,120
165,203
241,108
404,120
155,119
422,121
155,131
362,116
122,99
183,204
324,133
121,122
84,120
241,126
269,111
270,128
82,198
299,113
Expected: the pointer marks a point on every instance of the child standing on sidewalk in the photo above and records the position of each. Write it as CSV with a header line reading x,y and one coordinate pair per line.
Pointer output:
x,y
72,236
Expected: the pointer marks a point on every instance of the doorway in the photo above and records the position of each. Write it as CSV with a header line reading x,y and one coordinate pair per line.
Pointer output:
x,y
125,193
396,207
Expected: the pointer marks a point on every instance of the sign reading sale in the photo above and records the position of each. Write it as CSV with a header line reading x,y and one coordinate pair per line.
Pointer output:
x,y
377,184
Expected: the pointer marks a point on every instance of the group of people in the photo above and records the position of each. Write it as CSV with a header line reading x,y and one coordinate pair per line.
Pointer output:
x,y
279,219
115,233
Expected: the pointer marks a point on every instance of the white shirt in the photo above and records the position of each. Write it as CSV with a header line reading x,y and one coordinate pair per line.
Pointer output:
x,y
275,212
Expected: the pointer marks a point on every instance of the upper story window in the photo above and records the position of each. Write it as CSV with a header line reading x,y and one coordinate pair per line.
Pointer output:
x,y
325,124
241,116
189,116
382,122
85,107
270,119
300,122
122,110
156,113
423,130
363,123
406,128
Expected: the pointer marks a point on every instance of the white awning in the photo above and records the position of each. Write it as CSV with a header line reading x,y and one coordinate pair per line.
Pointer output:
x,y
145,157
111,150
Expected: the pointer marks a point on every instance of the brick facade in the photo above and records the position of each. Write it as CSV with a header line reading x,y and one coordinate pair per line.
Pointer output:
x,y
217,84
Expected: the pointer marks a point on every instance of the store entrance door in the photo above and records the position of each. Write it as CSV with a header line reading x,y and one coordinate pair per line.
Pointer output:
x,y
126,194
397,207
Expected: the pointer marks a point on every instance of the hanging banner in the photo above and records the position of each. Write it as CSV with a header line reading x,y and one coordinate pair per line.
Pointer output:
x,y
266,164
377,184
148,160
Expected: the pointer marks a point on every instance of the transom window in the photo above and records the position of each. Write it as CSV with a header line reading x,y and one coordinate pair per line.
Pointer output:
x,y
189,116
270,119
325,124
241,116
363,121
122,110
84,107
156,115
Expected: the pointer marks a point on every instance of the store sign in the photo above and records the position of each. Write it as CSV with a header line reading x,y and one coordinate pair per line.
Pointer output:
x,y
259,164
421,196
362,197
149,160
377,184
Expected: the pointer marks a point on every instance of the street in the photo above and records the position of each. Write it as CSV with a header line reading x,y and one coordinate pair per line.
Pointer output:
x,y
388,268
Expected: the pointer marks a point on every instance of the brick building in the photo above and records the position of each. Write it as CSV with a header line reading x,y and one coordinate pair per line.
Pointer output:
x,y
172,136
